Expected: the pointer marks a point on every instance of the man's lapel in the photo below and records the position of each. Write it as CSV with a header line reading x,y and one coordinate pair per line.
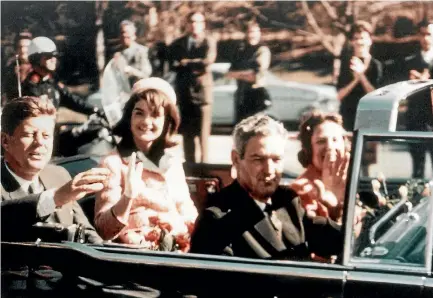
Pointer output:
x,y
263,231
285,200
11,189
290,230
49,181
268,232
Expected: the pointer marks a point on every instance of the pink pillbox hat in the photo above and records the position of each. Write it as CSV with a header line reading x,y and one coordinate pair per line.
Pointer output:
x,y
157,84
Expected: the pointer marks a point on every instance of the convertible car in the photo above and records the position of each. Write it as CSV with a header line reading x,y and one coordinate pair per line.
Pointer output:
x,y
390,257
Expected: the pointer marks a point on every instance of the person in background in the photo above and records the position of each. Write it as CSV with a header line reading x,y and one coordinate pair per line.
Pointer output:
x,y
360,73
137,65
42,81
249,65
420,65
12,71
147,203
254,216
32,190
325,155
419,114
190,57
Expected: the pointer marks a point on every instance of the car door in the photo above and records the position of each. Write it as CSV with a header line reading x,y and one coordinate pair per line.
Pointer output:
x,y
289,102
392,254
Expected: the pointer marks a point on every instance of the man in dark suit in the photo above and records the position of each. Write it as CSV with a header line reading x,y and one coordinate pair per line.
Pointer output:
x,y
190,57
419,115
137,65
33,191
256,217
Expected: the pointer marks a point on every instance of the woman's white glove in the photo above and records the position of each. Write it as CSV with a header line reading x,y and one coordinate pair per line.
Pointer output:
x,y
133,181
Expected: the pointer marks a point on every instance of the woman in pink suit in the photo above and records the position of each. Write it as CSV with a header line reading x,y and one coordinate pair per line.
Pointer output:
x,y
147,201
325,155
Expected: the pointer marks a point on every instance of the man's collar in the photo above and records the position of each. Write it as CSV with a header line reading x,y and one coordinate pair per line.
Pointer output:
x,y
262,205
428,56
131,46
23,182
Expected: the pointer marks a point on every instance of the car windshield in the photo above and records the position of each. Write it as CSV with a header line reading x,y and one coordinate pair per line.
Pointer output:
x,y
394,190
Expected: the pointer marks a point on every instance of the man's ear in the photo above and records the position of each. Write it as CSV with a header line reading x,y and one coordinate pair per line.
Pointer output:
x,y
5,140
235,158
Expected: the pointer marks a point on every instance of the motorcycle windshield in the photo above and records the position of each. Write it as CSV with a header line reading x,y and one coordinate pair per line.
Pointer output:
x,y
116,89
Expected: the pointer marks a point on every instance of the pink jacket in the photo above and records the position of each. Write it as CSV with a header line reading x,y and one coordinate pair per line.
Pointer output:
x,y
165,185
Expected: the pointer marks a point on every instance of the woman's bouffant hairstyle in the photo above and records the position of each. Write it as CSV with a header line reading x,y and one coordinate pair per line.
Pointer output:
x,y
306,130
155,99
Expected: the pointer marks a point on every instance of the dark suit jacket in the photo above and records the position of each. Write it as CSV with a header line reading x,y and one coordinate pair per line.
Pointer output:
x,y
235,225
194,76
419,108
19,210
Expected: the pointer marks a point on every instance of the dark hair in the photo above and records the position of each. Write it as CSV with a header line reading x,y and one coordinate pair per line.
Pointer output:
x,y
359,27
306,130
155,100
251,23
423,24
22,36
193,12
18,109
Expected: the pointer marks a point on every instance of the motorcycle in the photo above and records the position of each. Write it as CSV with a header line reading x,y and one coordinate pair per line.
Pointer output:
x,y
94,137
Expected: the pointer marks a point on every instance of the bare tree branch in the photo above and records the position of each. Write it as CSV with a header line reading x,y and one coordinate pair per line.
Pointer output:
x,y
330,10
313,23
388,38
297,53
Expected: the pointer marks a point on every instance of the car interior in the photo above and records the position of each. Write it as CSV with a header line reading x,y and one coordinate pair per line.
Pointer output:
x,y
394,230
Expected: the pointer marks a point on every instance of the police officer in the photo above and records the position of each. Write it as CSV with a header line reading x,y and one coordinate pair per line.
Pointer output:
x,y
42,81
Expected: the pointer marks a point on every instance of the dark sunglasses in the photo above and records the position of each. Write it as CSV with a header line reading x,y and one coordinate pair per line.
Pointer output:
x,y
50,55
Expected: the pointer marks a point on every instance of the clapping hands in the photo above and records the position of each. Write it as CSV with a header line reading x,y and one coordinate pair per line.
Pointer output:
x,y
357,66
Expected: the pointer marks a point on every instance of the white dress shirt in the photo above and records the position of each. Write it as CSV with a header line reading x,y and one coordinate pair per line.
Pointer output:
x,y
46,204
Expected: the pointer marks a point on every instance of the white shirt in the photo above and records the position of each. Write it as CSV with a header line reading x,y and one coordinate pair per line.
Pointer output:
x,y
192,41
276,223
428,56
262,205
46,204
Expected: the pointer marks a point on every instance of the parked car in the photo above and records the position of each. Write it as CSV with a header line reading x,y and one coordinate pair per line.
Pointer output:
x,y
290,100
394,261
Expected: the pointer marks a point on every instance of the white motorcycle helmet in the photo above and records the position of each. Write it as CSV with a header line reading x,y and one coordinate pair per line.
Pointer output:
x,y
41,46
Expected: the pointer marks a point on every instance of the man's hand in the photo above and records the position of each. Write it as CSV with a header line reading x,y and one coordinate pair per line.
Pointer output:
x,y
416,75
184,62
81,185
244,75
